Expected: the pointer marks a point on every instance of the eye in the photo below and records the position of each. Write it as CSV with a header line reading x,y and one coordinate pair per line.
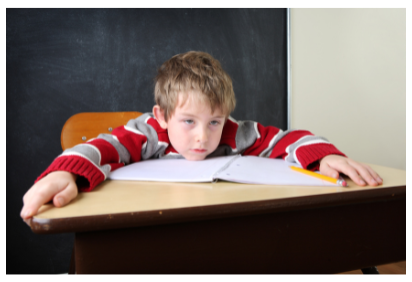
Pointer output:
x,y
188,121
214,122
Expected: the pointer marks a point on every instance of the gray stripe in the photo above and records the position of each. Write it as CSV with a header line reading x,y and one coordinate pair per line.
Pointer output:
x,y
294,146
106,169
152,149
277,137
222,150
245,135
87,151
171,157
121,150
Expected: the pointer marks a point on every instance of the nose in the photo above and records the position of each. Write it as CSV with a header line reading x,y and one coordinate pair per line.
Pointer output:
x,y
202,135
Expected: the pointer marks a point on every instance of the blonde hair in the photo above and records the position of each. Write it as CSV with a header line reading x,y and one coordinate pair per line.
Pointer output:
x,y
193,71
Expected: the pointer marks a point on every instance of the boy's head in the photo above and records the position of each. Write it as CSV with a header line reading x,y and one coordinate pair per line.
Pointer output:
x,y
194,97
198,72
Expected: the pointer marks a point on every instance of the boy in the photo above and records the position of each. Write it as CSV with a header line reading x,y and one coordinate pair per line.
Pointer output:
x,y
194,98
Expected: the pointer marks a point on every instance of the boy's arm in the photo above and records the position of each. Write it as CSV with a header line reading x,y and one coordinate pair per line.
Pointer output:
x,y
302,147
92,162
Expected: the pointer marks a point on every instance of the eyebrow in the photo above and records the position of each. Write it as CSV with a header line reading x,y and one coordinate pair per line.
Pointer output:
x,y
191,115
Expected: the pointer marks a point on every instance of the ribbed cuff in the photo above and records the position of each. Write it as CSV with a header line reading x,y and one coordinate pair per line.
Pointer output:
x,y
79,166
310,155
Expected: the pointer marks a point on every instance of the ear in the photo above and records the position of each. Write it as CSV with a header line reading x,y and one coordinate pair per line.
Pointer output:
x,y
159,115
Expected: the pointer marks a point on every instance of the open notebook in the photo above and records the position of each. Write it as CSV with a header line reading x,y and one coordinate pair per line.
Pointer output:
x,y
242,169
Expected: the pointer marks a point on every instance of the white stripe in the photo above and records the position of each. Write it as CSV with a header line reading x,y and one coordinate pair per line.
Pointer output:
x,y
115,138
83,156
90,140
270,145
147,119
172,154
287,150
233,120
134,130
257,131
161,143
288,153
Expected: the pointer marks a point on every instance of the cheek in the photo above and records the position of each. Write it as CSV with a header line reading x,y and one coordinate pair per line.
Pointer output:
x,y
179,137
216,135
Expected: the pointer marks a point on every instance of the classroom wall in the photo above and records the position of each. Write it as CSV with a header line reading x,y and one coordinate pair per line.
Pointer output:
x,y
349,80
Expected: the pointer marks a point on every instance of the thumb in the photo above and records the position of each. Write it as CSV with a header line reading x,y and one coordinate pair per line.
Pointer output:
x,y
328,171
66,195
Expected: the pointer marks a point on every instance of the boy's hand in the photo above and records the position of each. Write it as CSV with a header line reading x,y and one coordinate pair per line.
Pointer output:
x,y
361,174
59,186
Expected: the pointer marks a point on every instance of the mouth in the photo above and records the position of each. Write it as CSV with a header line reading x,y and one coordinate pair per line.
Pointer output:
x,y
199,151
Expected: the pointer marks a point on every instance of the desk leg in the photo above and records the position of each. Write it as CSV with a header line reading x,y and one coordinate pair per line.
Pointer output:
x,y
72,267
370,270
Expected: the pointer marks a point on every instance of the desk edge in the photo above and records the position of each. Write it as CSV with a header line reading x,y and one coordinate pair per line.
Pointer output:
x,y
157,217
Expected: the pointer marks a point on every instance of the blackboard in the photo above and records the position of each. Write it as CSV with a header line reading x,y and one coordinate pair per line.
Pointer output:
x,y
64,61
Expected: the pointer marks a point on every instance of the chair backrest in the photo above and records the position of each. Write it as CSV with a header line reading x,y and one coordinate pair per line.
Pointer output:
x,y
83,126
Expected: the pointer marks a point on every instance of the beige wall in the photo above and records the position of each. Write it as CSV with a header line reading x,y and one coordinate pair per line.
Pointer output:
x,y
349,80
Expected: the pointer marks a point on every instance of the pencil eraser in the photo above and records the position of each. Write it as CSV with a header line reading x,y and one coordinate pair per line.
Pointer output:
x,y
344,184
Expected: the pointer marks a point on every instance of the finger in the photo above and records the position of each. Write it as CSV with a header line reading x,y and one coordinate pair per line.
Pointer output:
x,y
65,196
366,172
374,174
25,213
328,171
352,173
35,201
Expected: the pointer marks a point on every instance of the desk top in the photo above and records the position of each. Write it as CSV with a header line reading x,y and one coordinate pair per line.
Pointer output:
x,y
120,204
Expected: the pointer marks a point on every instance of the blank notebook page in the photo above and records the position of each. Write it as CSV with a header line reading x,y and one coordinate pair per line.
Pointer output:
x,y
255,170
171,170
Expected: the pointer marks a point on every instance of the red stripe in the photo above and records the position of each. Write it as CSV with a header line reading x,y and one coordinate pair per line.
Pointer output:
x,y
107,151
309,155
116,166
171,149
132,141
161,133
229,134
77,165
280,149
266,135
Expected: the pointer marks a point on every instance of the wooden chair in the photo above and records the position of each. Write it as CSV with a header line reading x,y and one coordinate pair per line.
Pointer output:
x,y
83,126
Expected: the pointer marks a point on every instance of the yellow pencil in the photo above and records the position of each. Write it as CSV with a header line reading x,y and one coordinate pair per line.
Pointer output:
x,y
340,182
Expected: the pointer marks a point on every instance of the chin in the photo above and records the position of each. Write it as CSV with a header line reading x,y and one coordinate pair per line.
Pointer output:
x,y
194,158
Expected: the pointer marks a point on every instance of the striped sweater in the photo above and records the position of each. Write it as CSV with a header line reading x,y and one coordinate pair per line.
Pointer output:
x,y
143,138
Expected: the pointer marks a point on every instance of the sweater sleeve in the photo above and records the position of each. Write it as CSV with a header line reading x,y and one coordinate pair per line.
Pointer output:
x,y
140,138
296,146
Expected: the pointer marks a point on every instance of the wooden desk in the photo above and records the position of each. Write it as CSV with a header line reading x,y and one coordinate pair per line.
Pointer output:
x,y
148,227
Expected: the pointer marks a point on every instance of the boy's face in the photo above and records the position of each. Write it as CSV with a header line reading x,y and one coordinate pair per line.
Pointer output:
x,y
193,130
